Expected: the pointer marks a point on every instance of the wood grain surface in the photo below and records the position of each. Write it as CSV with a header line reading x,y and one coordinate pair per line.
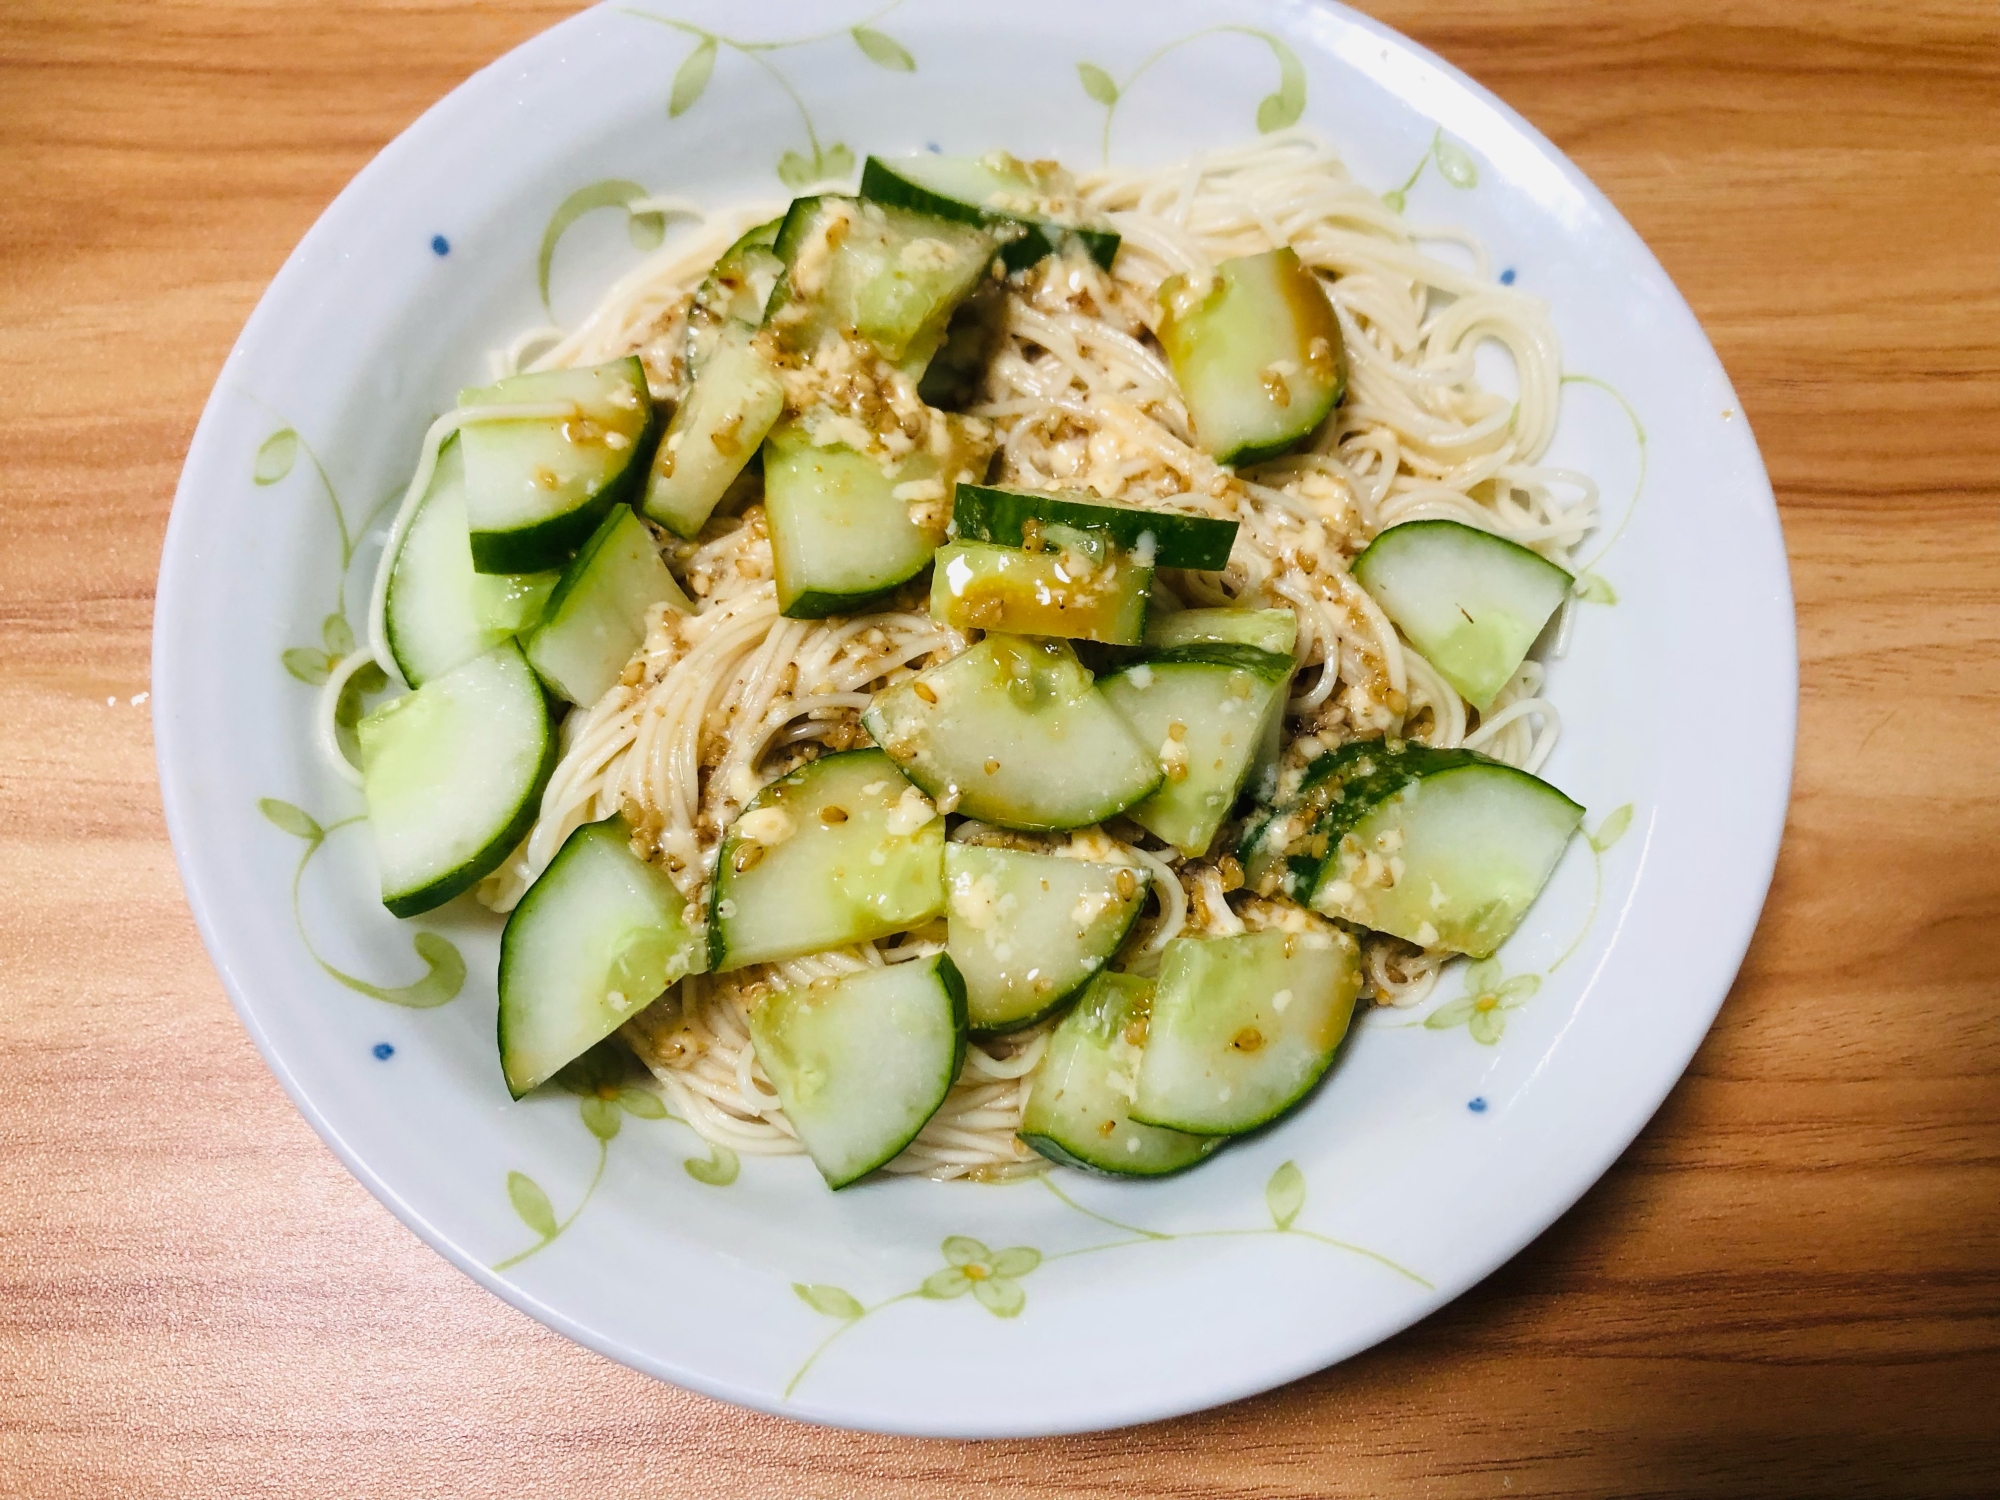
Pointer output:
x,y
1789,1286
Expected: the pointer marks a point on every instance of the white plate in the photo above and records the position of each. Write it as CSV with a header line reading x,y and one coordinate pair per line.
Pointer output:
x,y
1429,1158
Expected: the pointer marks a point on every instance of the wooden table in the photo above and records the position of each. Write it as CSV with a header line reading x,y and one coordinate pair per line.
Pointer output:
x,y
1790,1285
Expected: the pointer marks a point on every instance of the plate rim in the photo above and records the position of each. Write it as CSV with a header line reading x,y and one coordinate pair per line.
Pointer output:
x,y
1728,949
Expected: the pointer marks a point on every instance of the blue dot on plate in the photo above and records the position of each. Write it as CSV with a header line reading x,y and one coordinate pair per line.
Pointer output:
x,y
1506,276
442,246
934,148
1477,1106
384,1051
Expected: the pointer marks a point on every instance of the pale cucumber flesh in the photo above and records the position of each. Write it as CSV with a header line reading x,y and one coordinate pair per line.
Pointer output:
x,y
440,612
1471,602
536,487
1079,1109
1077,593
597,616
1452,859
887,274
1243,1027
1273,630
735,400
1027,931
599,936
1014,732
841,851
862,1062
840,533
736,291
453,775
1257,352
1206,711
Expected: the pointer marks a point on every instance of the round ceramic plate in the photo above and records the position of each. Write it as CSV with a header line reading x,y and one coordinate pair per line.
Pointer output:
x,y
1445,1139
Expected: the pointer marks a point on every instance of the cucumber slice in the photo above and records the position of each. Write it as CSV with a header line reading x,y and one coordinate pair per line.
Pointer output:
x,y
734,292
1243,1027
861,1062
439,612
1470,601
1080,588
1257,352
1282,850
841,851
1027,931
1274,630
1079,1109
453,775
597,938
537,487
844,530
1207,710
1033,203
1014,732
885,274
733,403
597,617
1443,848
1166,538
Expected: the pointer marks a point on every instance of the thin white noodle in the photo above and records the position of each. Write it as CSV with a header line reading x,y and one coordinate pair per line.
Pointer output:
x,y
717,702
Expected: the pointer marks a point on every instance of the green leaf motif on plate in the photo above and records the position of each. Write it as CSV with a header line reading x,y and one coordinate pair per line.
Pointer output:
x,y
308,663
691,78
614,192
444,978
885,51
642,1104
1482,1009
991,1276
275,456
1455,163
798,171
1281,109
1098,84
1594,588
1285,1194
717,1169
337,634
293,820
1612,829
830,1300
1395,200
532,1204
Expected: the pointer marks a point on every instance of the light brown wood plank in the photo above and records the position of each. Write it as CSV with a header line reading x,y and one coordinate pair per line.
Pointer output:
x,y
1790,1285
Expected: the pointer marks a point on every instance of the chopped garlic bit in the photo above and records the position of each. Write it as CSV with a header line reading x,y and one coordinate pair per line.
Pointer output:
x,y
767,825
911,812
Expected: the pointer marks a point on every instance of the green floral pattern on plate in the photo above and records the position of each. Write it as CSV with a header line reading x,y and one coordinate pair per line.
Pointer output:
x,y
605,1095
821,160
997,1280
445,968
1277,110
993,1277
1482,1009
1454,164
